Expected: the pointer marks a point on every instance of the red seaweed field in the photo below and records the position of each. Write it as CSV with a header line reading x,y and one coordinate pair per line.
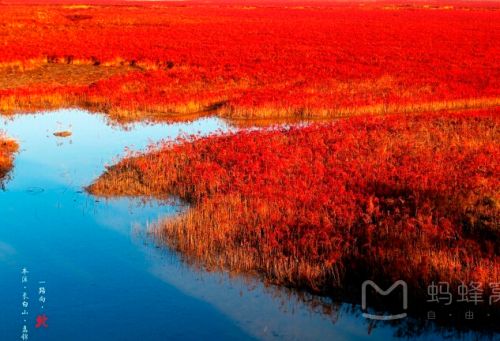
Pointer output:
x,y
412,197
317,60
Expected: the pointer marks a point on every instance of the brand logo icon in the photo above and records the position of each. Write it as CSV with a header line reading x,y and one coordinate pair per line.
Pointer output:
x,y
393,287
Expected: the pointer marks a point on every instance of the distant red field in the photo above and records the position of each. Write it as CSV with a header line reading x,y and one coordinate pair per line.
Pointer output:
x,y
313,60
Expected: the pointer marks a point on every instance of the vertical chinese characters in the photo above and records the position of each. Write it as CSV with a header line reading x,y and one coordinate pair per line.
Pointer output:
x,y
41,319
25,304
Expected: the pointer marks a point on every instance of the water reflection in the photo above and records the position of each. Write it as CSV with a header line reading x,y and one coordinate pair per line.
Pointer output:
x,y
97,283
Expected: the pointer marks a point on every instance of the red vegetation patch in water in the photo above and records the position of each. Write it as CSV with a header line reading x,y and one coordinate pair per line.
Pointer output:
x,y
400,197
7,148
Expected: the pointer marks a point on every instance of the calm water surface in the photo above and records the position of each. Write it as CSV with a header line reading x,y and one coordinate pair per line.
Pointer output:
x,y
104,279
